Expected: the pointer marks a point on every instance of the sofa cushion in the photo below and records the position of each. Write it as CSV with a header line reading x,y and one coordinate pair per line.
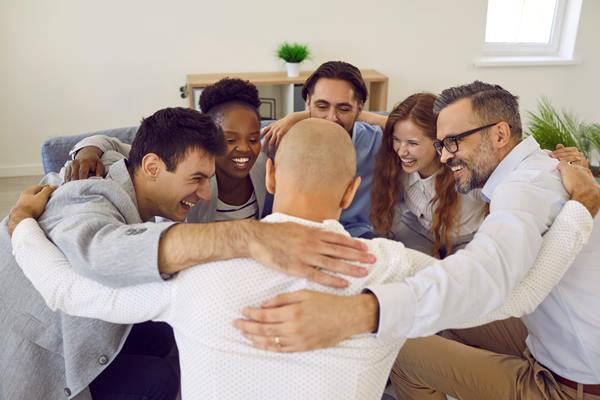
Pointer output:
x,y
55,151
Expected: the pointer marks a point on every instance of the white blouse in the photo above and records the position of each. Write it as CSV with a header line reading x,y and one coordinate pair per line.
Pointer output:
x,y
416,211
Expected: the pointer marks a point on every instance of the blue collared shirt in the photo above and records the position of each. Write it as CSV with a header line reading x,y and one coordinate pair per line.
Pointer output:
x,y
367,141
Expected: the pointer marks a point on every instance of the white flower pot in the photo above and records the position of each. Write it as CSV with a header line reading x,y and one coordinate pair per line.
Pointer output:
x,y
293,69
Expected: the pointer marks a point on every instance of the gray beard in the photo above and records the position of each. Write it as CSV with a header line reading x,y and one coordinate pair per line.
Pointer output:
x,y
481,170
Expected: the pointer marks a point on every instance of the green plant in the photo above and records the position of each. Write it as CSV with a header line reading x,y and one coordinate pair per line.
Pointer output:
x,y
293,53
550,127
594,136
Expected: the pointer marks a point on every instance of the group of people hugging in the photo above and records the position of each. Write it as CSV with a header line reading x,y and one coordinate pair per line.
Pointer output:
x,y
321,257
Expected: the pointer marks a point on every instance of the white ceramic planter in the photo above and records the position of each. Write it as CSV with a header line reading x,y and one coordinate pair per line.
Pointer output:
x,y
293,69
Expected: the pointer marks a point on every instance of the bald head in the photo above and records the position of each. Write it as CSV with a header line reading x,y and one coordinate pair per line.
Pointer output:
x,y
315,156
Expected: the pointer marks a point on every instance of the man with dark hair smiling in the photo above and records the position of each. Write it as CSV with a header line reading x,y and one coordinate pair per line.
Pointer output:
x,y
337,92
105,229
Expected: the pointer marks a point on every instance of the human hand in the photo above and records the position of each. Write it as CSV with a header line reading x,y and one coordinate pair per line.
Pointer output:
x,y
581,185
87,160
31,204
307,320
304,251
569,154
274,133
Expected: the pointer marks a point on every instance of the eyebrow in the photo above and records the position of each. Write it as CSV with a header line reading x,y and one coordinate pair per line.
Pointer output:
x,y
200,174
237,133
336,104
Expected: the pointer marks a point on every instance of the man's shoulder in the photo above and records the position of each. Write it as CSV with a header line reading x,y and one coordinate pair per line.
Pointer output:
x,y
537,172
362,128
83,198
392,265
367,140
76,191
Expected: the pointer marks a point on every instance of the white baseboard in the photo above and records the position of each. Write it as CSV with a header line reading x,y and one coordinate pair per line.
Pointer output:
x,y
7,171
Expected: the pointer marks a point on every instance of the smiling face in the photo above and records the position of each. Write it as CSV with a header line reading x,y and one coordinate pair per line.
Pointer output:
x,y
476,157
335,101
415,149
241,128
180,190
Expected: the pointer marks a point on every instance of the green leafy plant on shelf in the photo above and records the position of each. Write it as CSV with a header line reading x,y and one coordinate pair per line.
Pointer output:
x,y
550,127
293,53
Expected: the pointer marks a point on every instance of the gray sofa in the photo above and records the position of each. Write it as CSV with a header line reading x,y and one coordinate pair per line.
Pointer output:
x,y
55,151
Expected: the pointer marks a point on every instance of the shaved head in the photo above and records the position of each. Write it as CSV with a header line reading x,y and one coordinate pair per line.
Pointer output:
x,y
315,156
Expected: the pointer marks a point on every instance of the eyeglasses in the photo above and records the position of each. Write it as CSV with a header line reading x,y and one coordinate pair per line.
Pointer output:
x,y
451,142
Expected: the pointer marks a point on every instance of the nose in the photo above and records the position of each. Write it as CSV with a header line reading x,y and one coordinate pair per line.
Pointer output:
x,y
243,147
445,156
332,115
203,190
402,149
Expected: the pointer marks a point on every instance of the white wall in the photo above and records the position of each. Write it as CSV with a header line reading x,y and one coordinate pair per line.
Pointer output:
x,y
71,66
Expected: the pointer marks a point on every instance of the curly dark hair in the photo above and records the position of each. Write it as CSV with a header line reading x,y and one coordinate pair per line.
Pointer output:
x,y
228,91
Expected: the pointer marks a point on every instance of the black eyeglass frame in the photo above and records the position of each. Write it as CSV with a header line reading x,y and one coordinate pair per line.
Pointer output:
x,y
453,140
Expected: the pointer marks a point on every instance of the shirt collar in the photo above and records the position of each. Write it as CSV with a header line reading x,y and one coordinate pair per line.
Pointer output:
x,y
119,173
507,165
414,177
329,224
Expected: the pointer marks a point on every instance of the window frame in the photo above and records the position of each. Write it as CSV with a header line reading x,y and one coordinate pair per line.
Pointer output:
x,y
559,51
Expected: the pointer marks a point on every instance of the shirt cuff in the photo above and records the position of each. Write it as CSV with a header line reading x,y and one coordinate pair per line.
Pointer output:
x,y
397,304
24,229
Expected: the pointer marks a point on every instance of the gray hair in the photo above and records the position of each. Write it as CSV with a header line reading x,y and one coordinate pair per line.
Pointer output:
x,y
491,103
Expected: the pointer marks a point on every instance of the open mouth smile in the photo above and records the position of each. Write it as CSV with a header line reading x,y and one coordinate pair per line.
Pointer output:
x,y
241,162
408,163
187,204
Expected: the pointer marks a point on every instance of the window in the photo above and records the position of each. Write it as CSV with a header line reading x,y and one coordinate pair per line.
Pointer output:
x,y
522,32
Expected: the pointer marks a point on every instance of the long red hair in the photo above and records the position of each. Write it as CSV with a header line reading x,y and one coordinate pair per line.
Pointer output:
x,y
387,186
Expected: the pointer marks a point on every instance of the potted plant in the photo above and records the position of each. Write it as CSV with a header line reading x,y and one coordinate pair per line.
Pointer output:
x,y
550,127
293,54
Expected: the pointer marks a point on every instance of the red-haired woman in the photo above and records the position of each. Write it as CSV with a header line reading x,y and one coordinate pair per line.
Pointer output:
x,y
413,198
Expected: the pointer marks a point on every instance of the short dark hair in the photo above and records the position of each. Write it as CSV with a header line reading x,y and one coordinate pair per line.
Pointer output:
x,y
337,70
491,103
171,132
228,91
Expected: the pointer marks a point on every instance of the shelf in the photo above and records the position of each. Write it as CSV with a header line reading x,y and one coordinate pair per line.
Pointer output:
x,y
377,84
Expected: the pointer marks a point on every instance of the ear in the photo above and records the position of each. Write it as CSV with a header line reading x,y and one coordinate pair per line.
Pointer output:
x,y
360,107
350,192
270,177
502,135
152,166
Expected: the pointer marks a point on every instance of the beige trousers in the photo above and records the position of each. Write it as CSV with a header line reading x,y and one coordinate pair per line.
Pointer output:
x,y
487,362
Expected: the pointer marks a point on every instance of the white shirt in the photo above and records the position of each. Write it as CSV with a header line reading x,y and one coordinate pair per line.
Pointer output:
x,y
416,211
200,303
227,212
526,194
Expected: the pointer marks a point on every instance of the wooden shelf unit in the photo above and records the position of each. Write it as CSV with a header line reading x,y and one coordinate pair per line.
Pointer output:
x,y
377,83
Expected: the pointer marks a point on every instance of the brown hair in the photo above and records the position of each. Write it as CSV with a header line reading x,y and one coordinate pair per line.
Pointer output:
x,y
337,70
489,102
387,184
